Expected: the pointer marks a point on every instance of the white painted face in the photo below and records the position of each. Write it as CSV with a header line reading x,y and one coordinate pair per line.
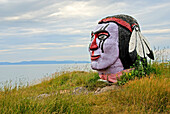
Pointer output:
x,y
104,49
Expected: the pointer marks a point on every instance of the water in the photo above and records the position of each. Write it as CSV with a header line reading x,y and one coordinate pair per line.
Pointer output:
x,y
31,74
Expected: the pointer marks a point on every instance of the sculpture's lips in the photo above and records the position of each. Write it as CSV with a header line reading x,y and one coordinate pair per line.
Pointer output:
x,y
94,57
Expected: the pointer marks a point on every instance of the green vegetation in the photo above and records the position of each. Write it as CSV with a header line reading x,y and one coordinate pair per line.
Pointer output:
x,y
142,69
145,93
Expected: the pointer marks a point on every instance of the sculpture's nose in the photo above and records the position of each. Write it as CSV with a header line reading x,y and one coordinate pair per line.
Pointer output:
x,y
93,45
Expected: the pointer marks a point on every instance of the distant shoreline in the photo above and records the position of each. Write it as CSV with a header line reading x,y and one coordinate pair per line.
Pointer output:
x,y
42,62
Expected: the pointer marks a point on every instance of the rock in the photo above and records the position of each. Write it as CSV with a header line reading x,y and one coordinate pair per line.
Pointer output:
x,y
43,95
83,90
107,88
79,90
98,89
64,91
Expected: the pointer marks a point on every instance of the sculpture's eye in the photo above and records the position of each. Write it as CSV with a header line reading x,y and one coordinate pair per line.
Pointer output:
x,y
103,35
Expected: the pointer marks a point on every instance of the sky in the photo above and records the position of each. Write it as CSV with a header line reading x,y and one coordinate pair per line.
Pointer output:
x,y
60,29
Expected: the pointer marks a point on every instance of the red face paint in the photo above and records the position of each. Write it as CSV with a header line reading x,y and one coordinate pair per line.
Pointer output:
x,y
93,45
104,33
93,57
117,20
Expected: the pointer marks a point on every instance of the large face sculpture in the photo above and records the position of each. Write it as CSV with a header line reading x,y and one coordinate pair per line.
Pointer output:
x,y
115,44
104,50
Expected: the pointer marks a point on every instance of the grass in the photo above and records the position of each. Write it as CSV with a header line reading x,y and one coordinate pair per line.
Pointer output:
x,y
148,94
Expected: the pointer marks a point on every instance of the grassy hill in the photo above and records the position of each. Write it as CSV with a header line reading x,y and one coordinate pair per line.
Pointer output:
x,y
137,93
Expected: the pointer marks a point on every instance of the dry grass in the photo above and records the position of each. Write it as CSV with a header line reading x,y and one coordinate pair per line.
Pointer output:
x,y
149,94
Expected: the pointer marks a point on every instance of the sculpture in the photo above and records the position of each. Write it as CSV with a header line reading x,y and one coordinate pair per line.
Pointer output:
x,y
115,44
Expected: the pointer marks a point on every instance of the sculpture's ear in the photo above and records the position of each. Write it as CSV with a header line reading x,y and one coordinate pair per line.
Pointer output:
x,y
139,44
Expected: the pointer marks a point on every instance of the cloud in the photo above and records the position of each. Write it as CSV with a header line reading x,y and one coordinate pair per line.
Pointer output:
x,y
77,8
3,1
21,17
67,57
16,31
39,28
43,46
31,31
72,18
153,25
156,31
4,50
38,46
151,8
70,46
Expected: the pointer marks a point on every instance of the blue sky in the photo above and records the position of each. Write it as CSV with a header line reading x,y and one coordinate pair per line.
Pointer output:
x,y
60,29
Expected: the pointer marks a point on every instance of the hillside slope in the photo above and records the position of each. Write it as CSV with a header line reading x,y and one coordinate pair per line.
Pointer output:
x,y
147,94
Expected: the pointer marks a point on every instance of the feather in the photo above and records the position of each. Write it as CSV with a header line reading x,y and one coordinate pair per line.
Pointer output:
x,y
145,42
139,44
147,47
132,42
139,47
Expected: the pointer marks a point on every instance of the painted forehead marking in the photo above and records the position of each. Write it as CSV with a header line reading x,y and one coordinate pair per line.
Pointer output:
x,y
106,26
102,29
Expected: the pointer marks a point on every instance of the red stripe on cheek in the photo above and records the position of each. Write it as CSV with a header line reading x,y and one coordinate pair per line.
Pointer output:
x,y
92,53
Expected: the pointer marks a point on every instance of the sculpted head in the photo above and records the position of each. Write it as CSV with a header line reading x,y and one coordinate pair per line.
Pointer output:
x,y
116,42
110,43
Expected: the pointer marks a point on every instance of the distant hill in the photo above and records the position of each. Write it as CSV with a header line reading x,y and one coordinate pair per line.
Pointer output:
x,y
42,62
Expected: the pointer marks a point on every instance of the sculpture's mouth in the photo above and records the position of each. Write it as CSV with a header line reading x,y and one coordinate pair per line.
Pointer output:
x,y
95,57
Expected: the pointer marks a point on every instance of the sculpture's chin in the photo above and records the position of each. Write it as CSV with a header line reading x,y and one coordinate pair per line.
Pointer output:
x,y
97,66
94,68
